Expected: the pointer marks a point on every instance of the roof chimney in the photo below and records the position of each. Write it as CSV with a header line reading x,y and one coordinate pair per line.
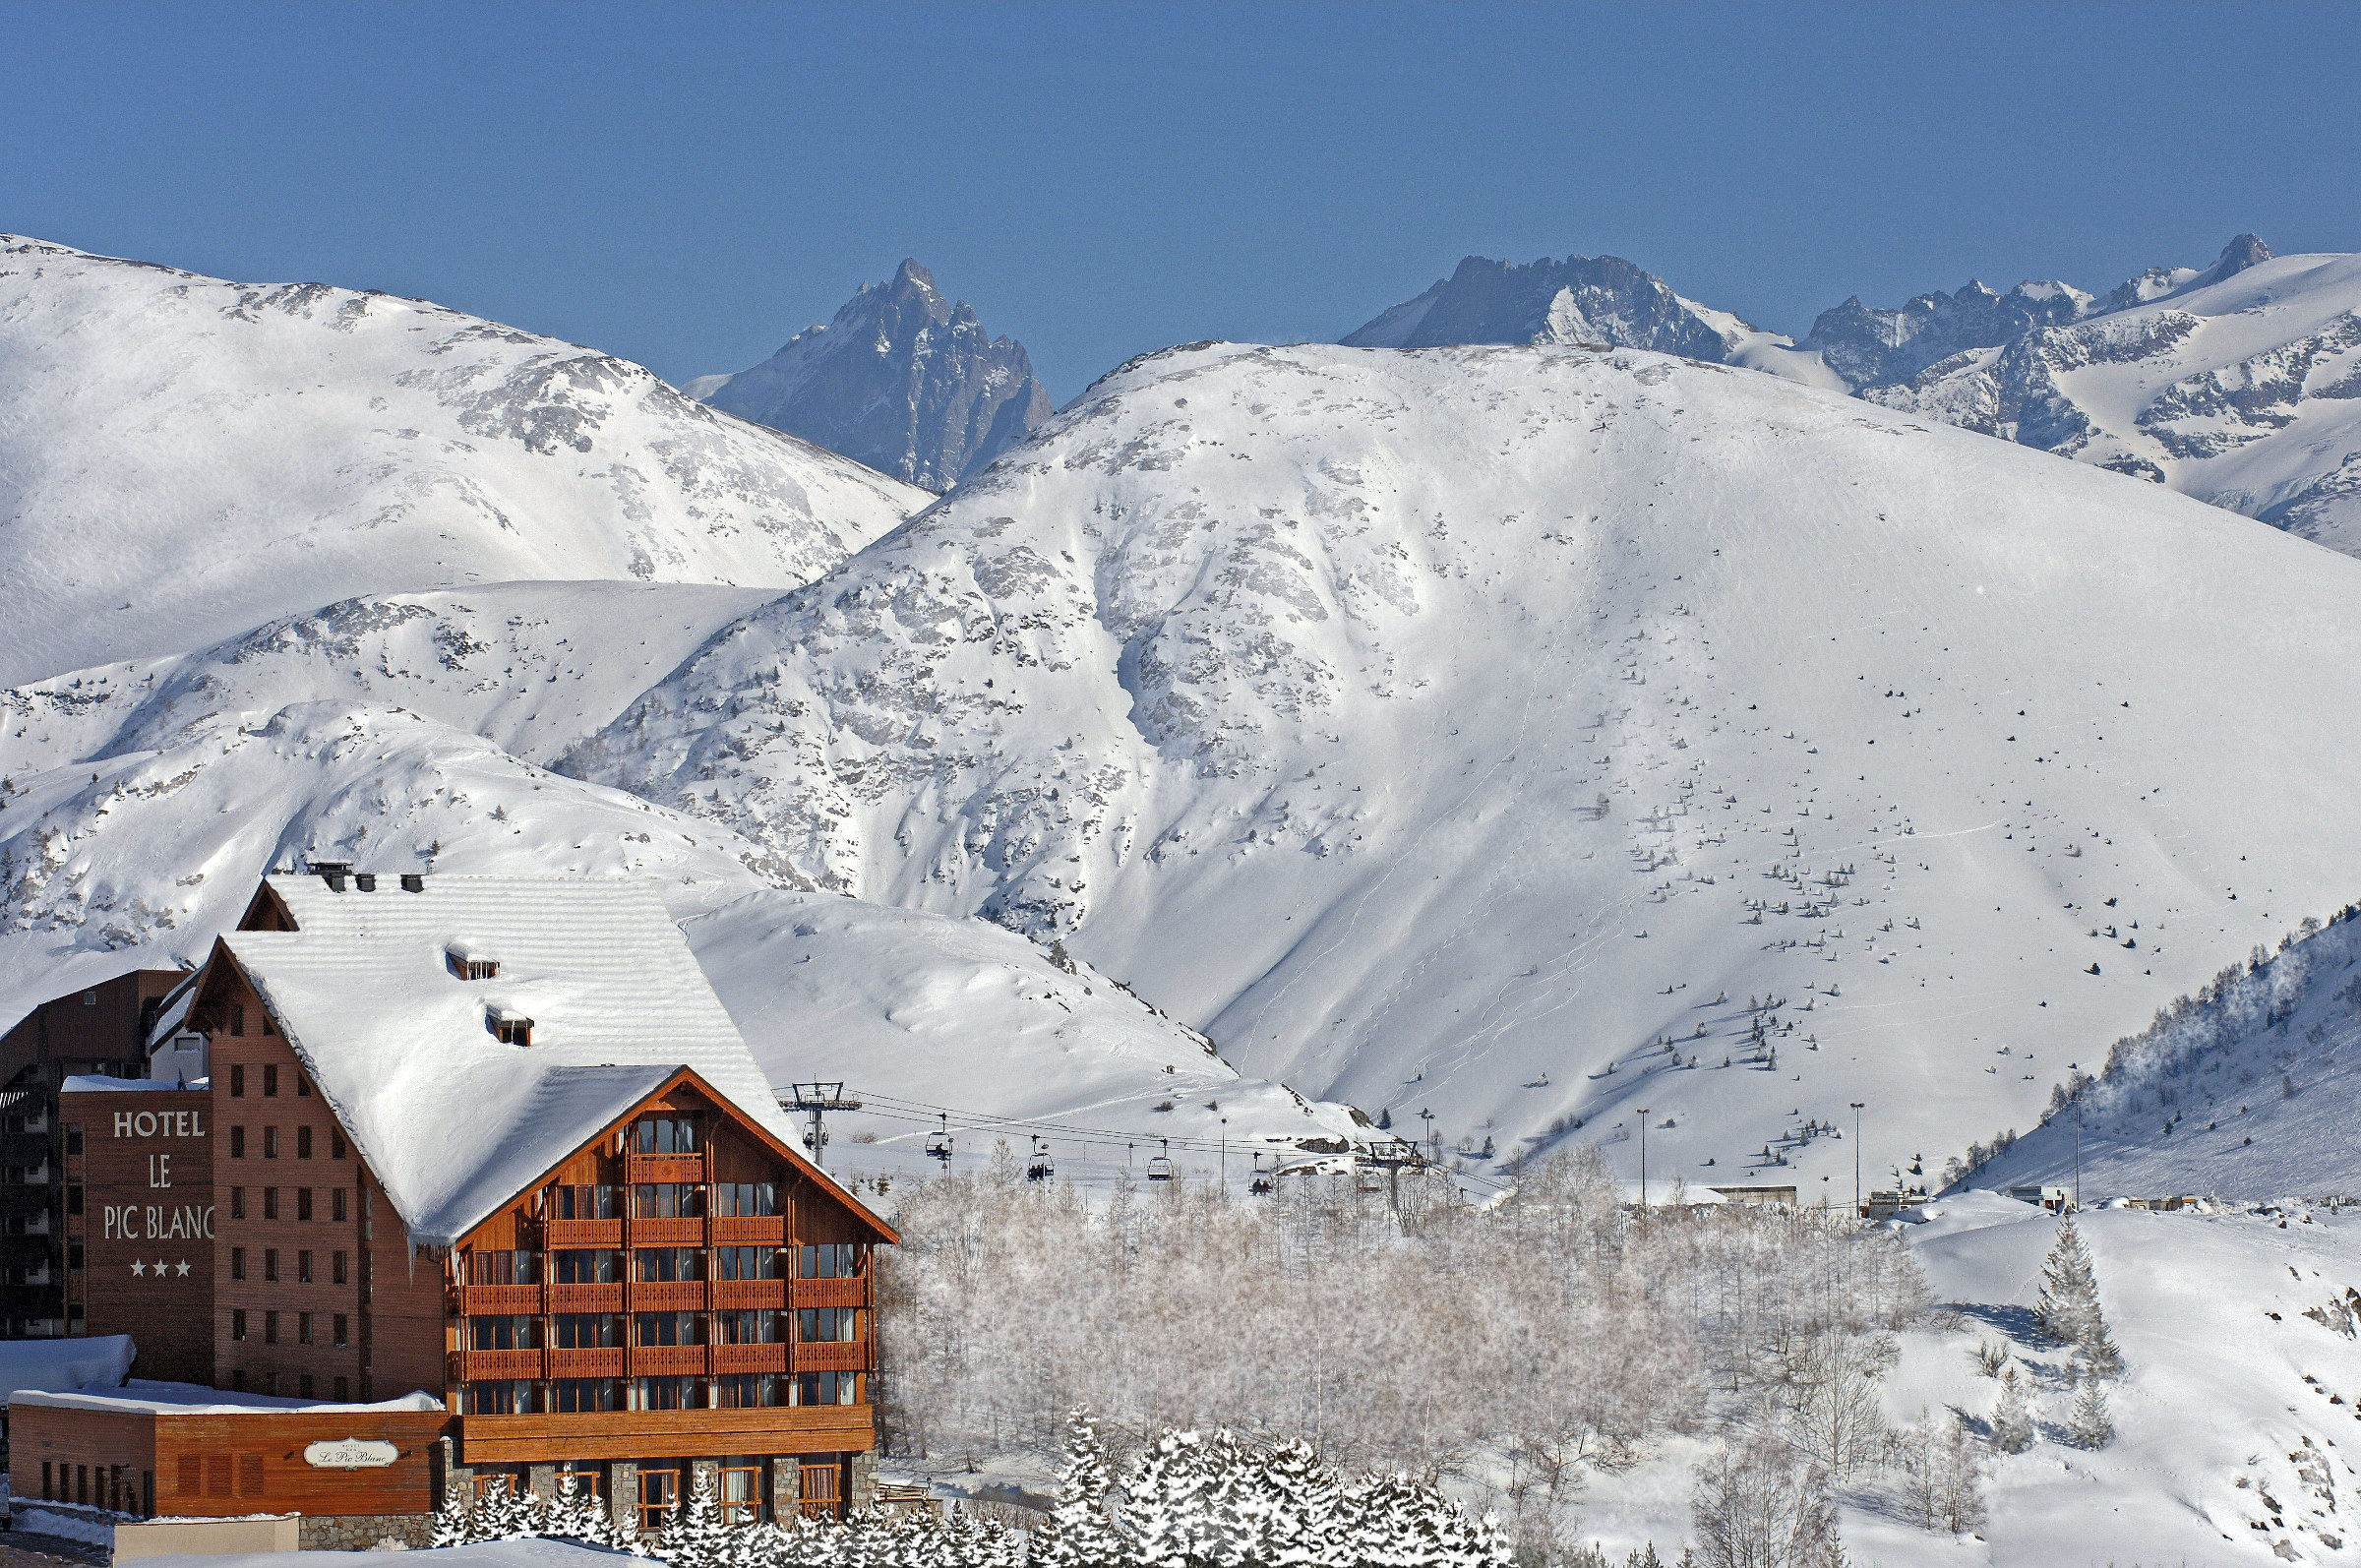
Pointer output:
x,y
366,881
412,882
332,872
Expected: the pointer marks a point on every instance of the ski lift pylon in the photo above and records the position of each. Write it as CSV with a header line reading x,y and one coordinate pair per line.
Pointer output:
x,y
1160,1166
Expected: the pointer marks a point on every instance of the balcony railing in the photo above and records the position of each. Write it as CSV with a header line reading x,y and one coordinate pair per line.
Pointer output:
x,y
667,1296
749,1230
668,1233
476,1365
601,1362
642,1168
489,1301
728,1294
832,1355
832,1292
565,1234
749,1359
585,1297
667,1360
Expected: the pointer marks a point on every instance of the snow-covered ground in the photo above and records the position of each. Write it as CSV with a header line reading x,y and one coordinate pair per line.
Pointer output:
x,y
1494,731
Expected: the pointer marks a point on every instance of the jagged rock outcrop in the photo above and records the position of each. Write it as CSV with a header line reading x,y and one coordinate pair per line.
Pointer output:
x,y
902,380
1601,301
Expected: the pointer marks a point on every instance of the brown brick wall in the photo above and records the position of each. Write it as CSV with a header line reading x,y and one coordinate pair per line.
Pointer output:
x,y
146,1229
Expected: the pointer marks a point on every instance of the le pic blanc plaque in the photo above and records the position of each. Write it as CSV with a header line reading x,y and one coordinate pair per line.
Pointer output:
x,y
350,1453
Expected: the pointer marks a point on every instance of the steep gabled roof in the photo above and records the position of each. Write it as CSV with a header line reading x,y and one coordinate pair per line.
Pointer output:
x,y
453,1121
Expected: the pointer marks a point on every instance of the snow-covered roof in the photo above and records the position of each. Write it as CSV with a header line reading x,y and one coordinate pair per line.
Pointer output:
x,y
29,1367
196,1398
94,1083
450,1119
173,1012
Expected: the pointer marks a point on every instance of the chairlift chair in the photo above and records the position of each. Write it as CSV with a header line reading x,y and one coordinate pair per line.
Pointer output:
x,y
1160,1166
938,1144
1260,1186
1040,1169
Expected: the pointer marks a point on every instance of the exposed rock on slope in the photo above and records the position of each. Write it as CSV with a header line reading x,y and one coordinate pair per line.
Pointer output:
x,y
902,380
1534,734
182,459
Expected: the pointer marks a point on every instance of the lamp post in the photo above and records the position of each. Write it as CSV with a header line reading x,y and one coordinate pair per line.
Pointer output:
x,y
1856,1158
2078,1158
1643,1162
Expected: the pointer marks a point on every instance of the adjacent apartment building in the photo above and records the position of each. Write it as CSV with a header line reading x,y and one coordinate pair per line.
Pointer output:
x,y
480,1188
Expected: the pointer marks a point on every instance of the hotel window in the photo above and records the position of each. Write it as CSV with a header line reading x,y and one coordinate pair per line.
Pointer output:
x,y
271,1265
828,1261
504,1331
656,1264
303,1270
585,1203
659,1483
237,1143
664,1135
270,1143
303,1086
748,1263
758,1327
303,1203
237,1073
588,1476
590,1266
303,1333
588,1331
269,1203
668,1393
668,1200
271,1321
74,1199
238,1203
573,1396
822,1325
504,1268
669,1328
504,1395
336,1269
340,1326
303,1143
824,1388
335,1143
749,1391
237,1026
744,1198
336,1207
237,1329
741,1491
270,1081
237,1262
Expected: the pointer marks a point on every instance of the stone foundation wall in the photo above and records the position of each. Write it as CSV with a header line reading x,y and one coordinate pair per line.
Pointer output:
x,y
362,1531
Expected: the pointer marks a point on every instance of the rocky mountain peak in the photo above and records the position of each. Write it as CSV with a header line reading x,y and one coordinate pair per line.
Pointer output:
x,y
1600,300
900,378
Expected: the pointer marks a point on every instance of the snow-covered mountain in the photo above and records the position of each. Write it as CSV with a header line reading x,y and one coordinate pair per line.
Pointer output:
x,y
1497,730
2241,387
182,459
1598,301
902,380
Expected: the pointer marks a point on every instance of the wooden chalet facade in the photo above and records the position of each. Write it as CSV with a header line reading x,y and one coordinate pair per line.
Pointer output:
x,y
563,1230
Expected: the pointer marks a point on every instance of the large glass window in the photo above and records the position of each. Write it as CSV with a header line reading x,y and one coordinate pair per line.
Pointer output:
x,y
840,1260
742,1198
659,1483
505,1395
656,1264
668,1393
590,1266
747,1262
825,1388
504,1268
504,1332
588,1331
585,1203
669,1328
664,1135
750,1390
819,1325
741,1491
759,1327
668,1200
577,1395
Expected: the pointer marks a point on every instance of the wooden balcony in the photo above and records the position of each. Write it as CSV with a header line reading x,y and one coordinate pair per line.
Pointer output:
x,y
749,1230
570,1233
667,1434
668,1360
728,1294
668,1233
602,1361
585,1297
832,1292
667,1296
832,1355
490,1300
643,1167
476,1365
749,1359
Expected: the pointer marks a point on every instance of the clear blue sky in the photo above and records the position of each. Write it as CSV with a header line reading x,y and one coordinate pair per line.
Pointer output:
x,y
687,186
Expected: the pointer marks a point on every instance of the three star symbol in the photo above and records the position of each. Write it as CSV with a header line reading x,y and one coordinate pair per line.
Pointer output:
x,y
138,1268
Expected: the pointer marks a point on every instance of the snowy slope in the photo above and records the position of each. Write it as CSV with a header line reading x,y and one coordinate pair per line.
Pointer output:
x,y
2245,1089
1481,729
182,459
2245,391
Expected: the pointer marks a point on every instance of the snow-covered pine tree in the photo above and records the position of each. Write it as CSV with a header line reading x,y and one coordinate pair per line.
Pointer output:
x,y
693,1535
1082,1533
453,1525
2069,1301
2012,1420
1300,1503
2100,1354
2091,1425
1166,1501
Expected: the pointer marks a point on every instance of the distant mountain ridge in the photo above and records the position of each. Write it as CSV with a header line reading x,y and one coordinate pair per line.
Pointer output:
x,y
901,379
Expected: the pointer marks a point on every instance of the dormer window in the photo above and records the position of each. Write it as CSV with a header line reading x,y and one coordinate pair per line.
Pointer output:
x,y
470,963
509,1028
